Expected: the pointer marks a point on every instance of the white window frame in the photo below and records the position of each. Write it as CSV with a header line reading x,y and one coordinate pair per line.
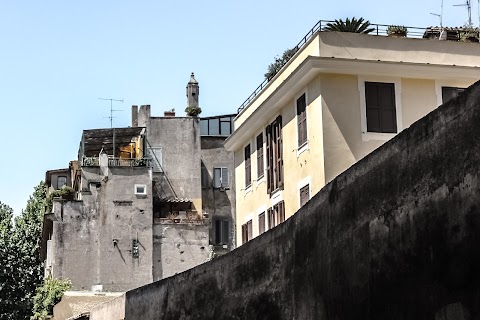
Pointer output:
x,y
144,186
397,82
305,146
221,178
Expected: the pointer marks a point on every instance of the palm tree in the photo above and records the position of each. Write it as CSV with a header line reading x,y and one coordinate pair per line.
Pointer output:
x,y
354,25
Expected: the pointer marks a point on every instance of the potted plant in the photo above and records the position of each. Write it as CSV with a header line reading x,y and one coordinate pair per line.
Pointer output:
x,y
469,35
397,31
193,111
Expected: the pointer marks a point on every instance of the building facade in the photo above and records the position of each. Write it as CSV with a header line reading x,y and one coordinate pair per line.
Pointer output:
x,y
136,206
340,97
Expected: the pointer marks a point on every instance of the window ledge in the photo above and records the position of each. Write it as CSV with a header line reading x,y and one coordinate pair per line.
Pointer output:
x,y
276,193
261,179
367,136
304,147
248,188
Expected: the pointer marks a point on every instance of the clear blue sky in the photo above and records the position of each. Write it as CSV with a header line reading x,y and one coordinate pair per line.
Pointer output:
x,y
59,57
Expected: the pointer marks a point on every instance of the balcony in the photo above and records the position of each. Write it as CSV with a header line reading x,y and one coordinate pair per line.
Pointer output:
x,y
116,162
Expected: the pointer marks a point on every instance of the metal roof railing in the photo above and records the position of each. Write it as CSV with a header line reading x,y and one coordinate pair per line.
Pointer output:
x,y
379,30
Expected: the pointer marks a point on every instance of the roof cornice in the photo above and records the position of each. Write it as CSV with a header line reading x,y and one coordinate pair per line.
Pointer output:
x,y
312,66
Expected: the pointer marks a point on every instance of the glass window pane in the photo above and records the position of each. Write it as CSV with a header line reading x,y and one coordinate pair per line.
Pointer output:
x,y
214,127
204,127
225,128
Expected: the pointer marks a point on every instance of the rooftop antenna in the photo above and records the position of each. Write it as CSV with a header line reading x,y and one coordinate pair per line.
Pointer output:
x,y
469,8
478,14
111,109
440,16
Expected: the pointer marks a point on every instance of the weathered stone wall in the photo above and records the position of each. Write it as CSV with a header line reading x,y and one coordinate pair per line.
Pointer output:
x,y
218,203
394,237
92,238
113,309
179,139
178,247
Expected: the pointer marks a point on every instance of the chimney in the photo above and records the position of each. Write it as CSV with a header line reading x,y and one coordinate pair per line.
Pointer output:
x,y
144,115
169,113
134,116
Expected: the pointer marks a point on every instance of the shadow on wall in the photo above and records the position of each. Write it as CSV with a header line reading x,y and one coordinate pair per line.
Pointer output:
x,y
396,236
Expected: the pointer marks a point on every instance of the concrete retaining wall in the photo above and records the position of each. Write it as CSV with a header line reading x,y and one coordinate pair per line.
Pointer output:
x,y
396,236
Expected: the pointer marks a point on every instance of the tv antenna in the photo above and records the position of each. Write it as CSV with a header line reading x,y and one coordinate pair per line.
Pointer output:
x,y
469,8
440,16
111,109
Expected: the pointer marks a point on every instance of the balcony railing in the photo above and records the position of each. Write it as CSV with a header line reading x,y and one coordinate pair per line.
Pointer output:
x,y
380,30
116,162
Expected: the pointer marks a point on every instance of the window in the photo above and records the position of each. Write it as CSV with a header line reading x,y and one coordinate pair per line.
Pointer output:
x,y
279,210
260,168
274,155
261,223
140,189
302,120
271,218
247,233
61,182
276,215
216,126
449,93
304,195
221,232
220,177
156,158
248,171
380,107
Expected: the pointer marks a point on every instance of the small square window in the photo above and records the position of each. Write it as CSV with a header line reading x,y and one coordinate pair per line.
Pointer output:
x,y
140,189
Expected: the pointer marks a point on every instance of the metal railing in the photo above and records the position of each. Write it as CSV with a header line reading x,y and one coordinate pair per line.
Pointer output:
x,y
379,30
116,162
90,162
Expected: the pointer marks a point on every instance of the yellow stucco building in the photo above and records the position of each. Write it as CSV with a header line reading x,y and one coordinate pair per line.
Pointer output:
x,y
341,96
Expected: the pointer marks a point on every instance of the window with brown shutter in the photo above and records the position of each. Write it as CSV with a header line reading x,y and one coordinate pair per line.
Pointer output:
x,y
244,234
260,168
449,93
271,218
248,165
304,195
274,155
247,232
261,223
302,120
279,209
381,110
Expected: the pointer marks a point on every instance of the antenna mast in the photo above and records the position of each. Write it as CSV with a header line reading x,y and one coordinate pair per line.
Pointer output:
x,y
469,8
111,108
441,14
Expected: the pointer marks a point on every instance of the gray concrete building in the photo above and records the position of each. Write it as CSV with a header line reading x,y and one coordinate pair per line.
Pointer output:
x,y
145,203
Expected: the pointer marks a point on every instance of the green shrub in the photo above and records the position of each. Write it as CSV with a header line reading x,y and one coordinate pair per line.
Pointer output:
x,y
64,193
47,296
